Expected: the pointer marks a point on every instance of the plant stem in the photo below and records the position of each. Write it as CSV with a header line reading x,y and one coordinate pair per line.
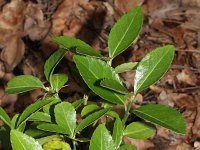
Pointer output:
x,y
74,145
127,112
109,62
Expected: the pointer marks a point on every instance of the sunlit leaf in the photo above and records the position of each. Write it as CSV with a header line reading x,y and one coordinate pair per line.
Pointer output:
x,y
139,130
23,83
65,115
113,85
22,141
91,118
126,67
52,62
4,116
93,71
76,45
58,81
101,139
152,67
125,31
162,115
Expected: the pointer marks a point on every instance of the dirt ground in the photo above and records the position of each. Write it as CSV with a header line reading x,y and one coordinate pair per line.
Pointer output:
x,y
26,28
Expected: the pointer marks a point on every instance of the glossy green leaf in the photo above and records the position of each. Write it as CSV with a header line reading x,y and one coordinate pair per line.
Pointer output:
x,y
73,44
127,147
14,121
31,109
78,103
139,130
126,67
23,83
58,81
4,116
89,109
65,115
125,31
152,67
22,141
90,119
52,62
49,108
117,132
93,70
101,139
113,85
163,116
37,133
51,128
40,116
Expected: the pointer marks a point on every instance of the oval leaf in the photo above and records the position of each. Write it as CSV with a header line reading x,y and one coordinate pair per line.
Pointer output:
x,y
101,139
126,67
127,147
4,116
22,141
58,81
89,109
139,130
91,118
65,115
113,85
52,62
40,117
31,109
163,116
93,70
23,83
51,128
73,44
152,67
117,132
125,31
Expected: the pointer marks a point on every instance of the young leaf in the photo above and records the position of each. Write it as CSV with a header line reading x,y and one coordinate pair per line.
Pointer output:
x,y
89,109
163,116
4,116
79,46
117,132
93,70
22,141
125,31
58,81
127,147
65,115
113,85
23,83
52,62
78,103
31,109
56,145
51,128
90,119
139,130
14,121
152,67
41,117
126,67
101,139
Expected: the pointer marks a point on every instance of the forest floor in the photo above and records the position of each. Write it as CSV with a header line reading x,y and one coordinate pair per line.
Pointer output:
x,y
26,28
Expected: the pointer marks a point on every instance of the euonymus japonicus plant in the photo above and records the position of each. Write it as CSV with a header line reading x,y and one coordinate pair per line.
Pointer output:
x,y
51,123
